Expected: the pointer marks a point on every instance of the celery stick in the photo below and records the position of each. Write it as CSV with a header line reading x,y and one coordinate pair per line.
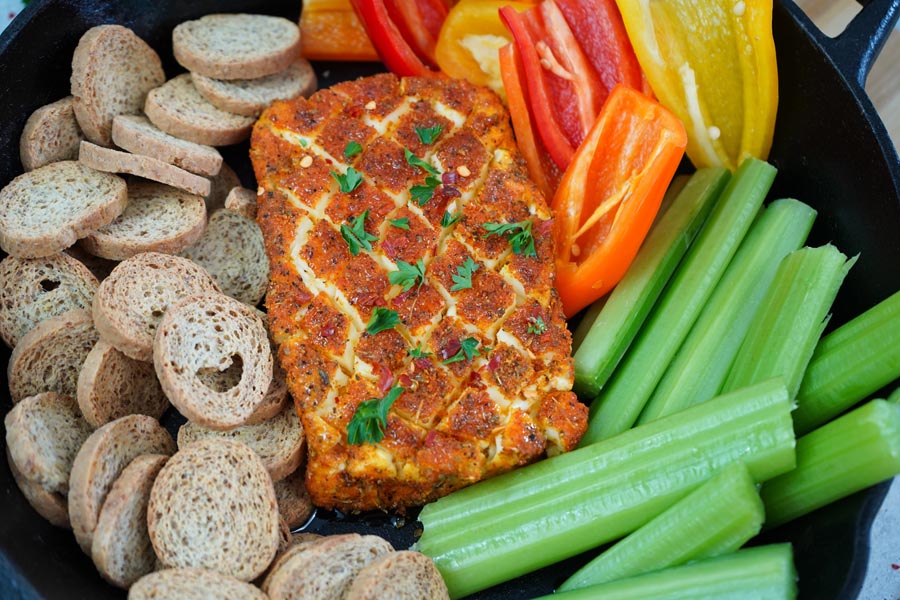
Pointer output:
x,y
791,318
605,334
716,518
537,515
894,397
849,454
625,394
850,363
761,573
702,362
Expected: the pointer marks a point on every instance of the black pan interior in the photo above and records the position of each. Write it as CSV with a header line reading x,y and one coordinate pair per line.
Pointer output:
x,y
830,154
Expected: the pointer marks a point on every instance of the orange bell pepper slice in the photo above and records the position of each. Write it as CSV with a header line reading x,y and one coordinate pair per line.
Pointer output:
x,y
610,194
330,30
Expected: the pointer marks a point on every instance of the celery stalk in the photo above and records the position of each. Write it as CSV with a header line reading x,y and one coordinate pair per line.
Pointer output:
x,y
761,573
606,331
625,394
701,364
716,518
894,397
844,456
537,515
790,321
850,363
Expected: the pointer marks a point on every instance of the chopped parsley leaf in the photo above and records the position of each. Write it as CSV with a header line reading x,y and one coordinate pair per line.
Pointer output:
x,y
536,325
401,223
356,235
468,348
522,241
462,279
370,418
352,149
418,352
447,220
382,320
407,274
421,194
349,181
427,135
415,161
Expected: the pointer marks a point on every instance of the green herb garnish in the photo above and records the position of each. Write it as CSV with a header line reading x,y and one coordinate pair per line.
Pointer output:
x,y
401,223
407,274
349,181
536,325
352,149
468,348
382,320
427,135
447,220
462,279
421,194
356,235
521,240
370,419
415,161
418,352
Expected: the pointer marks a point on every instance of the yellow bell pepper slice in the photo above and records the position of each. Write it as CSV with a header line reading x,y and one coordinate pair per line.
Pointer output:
x,y
712,63
330,30
472,35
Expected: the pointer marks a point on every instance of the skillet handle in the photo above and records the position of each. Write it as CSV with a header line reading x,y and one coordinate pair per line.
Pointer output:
x,y
854,51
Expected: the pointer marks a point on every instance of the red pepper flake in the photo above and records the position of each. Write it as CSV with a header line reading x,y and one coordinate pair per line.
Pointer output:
x,y
895,566
451,349
476,381
405,381
430,438
493,363
327,331
448,191
385,379
449,178
543,228
422,363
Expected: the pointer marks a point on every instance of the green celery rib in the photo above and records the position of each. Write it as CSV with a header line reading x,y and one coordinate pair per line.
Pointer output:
x,y
760,573
894,397
701,364
627,391
844,456
850,363
537,515
791,318
716,518
606,331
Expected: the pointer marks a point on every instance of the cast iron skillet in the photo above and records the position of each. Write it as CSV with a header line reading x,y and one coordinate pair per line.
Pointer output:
x,y
831,149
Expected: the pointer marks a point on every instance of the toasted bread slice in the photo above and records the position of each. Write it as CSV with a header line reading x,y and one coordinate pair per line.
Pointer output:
x,y
112,71
232,251
250,96
138,135
121,546
101,460
51,134
49,357
43,434
279,442
222,184
49,505
236,46
326,568
158,218
192,584
242,201
300,542
212,332
294,503
116,161
112,385
36,289
402,575
213,506
48,209
130,302
178,109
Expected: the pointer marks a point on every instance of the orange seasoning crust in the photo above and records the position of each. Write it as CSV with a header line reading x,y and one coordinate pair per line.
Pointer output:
x,y
460,418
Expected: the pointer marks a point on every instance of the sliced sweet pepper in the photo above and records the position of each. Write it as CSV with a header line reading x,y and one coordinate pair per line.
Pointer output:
x,y
419,23
713,64
395,51
541,167
470,39
330,30
610,194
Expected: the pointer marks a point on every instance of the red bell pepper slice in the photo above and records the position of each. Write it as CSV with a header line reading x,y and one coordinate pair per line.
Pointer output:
x,y
392,47
420,24
542,169
610,194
